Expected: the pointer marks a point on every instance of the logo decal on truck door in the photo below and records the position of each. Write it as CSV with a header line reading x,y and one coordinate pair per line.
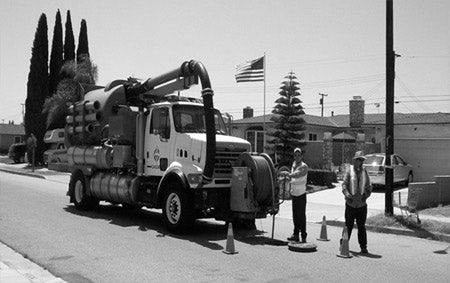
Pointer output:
x,y
156,154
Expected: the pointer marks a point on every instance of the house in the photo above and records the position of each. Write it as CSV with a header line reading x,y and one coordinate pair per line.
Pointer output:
x,y
423,139
9,134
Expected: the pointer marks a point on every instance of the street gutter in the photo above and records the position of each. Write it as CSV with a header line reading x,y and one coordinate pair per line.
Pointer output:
x,y
31,174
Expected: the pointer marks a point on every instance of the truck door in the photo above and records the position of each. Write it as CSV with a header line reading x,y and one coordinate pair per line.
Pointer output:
x,y
157,142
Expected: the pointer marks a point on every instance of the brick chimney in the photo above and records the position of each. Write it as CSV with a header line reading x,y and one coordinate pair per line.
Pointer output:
x,y
356,112
248,112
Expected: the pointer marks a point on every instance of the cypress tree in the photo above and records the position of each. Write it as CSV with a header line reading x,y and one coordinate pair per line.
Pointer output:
x,y
37,88
83,47
69,40
288,124
56,56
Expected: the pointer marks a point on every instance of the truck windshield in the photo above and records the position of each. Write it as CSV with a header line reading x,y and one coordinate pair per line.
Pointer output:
x,y
191,119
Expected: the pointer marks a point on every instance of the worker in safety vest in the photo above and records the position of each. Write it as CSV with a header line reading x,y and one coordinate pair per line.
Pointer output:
x,y
356,188
298,177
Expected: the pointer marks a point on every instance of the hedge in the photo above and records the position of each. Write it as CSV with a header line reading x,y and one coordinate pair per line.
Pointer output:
x,y
321,177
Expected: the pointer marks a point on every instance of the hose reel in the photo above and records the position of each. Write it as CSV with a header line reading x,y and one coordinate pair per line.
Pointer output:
x,y
262,173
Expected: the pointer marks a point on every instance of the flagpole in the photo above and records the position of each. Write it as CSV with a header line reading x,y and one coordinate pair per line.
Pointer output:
x,y
264,110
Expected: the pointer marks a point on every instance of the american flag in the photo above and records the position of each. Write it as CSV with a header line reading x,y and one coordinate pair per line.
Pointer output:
x,y
250,71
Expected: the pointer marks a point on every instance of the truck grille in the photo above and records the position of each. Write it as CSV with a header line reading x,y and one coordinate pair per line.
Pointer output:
x,y
225,159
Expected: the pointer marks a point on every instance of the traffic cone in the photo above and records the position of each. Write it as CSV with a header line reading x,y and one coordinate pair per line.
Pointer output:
x,y
344,248
230,241
323,230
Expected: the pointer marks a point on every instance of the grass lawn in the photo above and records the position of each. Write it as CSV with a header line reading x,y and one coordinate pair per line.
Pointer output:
x,y
397,221
440,211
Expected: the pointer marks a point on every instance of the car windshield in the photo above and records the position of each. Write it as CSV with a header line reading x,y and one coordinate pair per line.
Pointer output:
x,y
374,160
191,119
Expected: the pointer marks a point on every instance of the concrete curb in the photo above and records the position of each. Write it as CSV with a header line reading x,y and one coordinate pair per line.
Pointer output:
x,y
16,268
31,174
396,231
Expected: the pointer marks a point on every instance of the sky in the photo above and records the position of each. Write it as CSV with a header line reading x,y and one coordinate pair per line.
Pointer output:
x,y
334,47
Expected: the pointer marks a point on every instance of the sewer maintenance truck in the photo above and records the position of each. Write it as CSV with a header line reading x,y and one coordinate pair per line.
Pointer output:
x,y
139,145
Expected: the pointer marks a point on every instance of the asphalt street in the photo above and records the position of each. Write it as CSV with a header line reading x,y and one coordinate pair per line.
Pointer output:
x,y
199,256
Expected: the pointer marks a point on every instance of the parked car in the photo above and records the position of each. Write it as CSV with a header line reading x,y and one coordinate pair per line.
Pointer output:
x,y
56,153
17,152
375,165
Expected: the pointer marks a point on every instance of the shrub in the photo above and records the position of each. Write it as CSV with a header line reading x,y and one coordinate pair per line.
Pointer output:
x,y
321,178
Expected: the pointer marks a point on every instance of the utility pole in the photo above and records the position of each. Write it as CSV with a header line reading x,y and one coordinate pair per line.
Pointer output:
x,y
390,78
321,101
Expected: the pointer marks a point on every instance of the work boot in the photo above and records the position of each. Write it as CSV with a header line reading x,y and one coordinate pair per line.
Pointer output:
x,y
303,240
364,251
293,238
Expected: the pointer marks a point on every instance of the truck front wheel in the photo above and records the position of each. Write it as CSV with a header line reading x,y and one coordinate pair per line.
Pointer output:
x,y
77,187
178,209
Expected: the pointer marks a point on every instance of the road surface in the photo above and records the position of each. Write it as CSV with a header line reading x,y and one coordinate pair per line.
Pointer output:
x,y
115,245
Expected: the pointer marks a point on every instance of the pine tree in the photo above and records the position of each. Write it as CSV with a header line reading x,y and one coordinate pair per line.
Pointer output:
x,y
56,57
37,88
288,124
69,40
83,47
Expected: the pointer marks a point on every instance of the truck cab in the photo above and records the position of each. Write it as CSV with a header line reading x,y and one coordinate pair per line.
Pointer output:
x,y
175,138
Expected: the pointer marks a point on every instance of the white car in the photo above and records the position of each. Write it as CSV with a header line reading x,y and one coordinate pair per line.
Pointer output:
x,y
56,153
375,167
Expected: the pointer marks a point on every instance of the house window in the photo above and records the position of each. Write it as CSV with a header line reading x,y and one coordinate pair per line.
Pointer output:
x,y
17,139
256,139
312,137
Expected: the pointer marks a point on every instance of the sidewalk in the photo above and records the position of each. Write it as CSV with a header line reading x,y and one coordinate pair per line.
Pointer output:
x,y
15,268
39,172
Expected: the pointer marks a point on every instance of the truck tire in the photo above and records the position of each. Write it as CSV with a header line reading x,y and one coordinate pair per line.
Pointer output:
x,y
77,187
178,208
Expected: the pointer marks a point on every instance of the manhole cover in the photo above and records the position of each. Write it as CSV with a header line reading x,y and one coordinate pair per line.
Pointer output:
x,y
302,247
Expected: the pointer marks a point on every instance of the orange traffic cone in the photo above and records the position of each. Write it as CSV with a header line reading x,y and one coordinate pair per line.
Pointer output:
x,y
230,241
323,230
344,248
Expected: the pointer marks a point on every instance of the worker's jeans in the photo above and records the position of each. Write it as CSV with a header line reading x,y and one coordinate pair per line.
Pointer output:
x,y
299,215
360,215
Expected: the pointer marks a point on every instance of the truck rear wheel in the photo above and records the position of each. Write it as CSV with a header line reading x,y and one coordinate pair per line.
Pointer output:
x,y
178,209
77,187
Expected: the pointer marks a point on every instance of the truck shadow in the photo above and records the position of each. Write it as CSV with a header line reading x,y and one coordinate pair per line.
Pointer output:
x,y
206,232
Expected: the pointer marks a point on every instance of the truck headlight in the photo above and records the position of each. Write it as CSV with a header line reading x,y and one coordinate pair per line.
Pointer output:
x,y
194,178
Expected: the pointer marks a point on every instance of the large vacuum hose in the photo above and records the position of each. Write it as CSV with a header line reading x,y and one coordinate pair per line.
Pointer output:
x,y
208,106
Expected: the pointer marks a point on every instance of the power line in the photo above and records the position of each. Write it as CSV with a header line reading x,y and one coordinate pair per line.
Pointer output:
x,y
234,90
406,89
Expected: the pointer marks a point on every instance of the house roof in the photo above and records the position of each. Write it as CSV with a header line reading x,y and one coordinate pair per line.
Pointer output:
x,y
309,119
11,129
342,121
344,136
